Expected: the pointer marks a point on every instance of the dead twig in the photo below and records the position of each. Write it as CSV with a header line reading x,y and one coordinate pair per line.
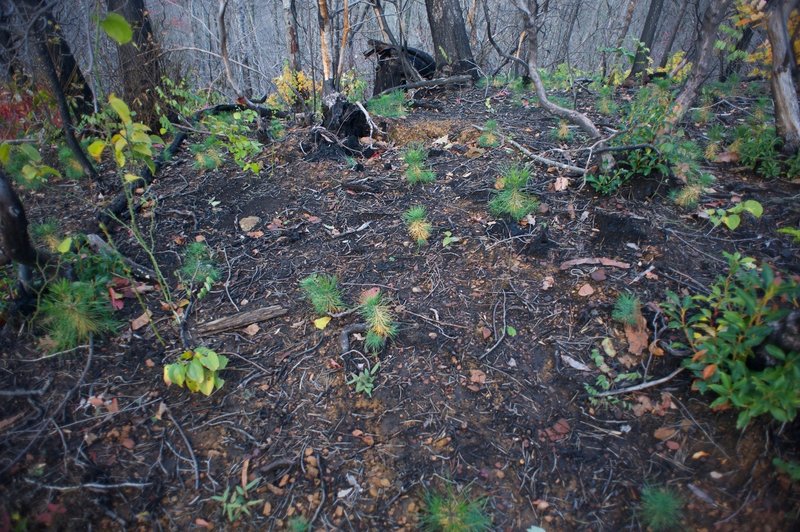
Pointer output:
x,y
91,486
538,158
26,393
195,464
642,386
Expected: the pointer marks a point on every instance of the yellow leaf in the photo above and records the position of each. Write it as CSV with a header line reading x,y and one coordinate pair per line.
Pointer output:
x,y
121,109
65,244
321,323
96,148
130,178
5,153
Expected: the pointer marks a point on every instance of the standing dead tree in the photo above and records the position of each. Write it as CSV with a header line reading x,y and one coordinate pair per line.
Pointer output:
x,y
784,91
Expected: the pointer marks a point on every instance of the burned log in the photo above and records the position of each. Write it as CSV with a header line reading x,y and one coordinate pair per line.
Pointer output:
x,y
389,70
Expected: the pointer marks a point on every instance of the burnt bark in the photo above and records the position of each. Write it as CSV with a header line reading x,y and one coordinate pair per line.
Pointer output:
x,y
389,71
562,53
138,60
15,243
673,34
640,61
450,39
714,15
292,42
784,91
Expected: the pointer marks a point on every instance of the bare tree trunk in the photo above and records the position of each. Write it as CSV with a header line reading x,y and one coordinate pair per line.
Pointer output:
x,y
343,43
715,14
450,38
292,43
672,34
563,47
643,51
784,91
626,23
139,65
324,22
9,56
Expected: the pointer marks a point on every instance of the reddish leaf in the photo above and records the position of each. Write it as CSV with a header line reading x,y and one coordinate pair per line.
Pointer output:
x,y
709,371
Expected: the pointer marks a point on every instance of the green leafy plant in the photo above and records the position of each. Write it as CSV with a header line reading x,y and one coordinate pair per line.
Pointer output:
x,y
605,184
660,508
417,171
419,228
511,200
298,523
365,379
627,309
198,267
793,232
790,468
72,168
731,216
448,239
490,137
723,330
380,320
71,312
236,502
323,291
605,380
605,104
25,164
758,146
198,370
448,511
389,105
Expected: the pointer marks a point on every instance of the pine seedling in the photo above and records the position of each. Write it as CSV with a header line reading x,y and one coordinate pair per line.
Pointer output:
x,y
660,508
417,224
72,311
46,234
391,105
452,512
627,309
562,132
323,291
380,320
415,155
72,168
419,174
511,200
198,267
489,138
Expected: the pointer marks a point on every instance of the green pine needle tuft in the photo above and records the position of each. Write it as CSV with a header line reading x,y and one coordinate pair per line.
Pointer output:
x,y
73,311
661,508
452,512
627,309
323,291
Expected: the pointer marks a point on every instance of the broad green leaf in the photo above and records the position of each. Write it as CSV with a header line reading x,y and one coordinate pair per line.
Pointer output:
x,y
45,170
121,108
207,386
65,245
195,372
96,148
218,382
753,207
30,152
223,361
211,361
732,221
5,153
117,28
175,373
511,331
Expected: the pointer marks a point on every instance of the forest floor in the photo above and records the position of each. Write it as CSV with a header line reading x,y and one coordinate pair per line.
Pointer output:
x,y
482,390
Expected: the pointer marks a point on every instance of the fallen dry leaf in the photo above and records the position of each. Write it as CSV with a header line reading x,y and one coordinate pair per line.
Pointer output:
x,y
248,223
575,364
203,523
598,275
709,371
673,445
665,433
477,376
252,329
654,349
255,234
637,336
560,184
586,290
548,282
141,321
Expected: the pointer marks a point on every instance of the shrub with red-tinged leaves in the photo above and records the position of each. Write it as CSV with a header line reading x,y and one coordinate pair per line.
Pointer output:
x,y
22,111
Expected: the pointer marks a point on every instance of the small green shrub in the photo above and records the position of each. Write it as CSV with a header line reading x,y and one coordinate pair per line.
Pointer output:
x,y
198,370
365,380
605,104
415,155
731,216
419,228
511,200
660,508
448,511
236,503
198,267
723,330
71,312
627,309
758,147
490,137
323,291
72,168
389,105
379,317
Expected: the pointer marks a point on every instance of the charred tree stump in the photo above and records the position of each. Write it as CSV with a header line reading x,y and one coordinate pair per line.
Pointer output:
x,y
389,71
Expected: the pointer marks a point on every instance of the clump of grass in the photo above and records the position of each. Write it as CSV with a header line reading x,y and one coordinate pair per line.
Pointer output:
x,y
660,508
72,168
380,320
511,200
72,311
198,263
627,309
390,105
419,229
562,132
490,137
452,512
415,156
323,291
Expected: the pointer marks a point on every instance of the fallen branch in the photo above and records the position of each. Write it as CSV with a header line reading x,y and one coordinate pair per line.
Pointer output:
x,y
642,386
241,319
594,260
452,80
344,340
100,246
537,158
26,393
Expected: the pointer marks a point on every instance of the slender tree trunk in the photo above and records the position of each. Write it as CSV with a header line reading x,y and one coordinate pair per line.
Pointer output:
x,y
450,38
9,58
784,91
138,60
672,34
643,51
741,45
715,14
563,49
324,23
292,43
626,23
